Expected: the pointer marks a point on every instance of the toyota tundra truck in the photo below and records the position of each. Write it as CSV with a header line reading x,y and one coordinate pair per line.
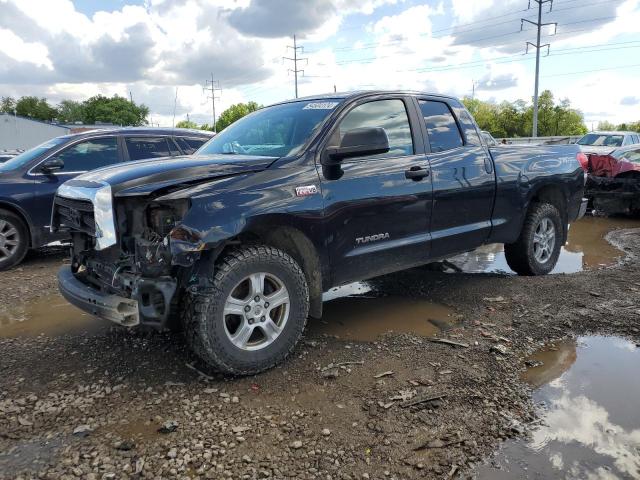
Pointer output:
x,y
237,243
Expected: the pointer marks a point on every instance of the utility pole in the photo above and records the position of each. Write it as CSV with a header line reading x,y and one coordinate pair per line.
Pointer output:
x,y
130,96
537,46
175,103
211,87
295,61
473,89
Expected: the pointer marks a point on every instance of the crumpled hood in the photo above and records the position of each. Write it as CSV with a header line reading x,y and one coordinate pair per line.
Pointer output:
x,y
145,176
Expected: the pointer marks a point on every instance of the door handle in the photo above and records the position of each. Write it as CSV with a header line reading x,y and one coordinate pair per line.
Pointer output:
x,y
416,173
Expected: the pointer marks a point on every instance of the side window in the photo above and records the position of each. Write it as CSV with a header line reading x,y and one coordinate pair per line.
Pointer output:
x,y
140,148
173,148
89,155
186,148
190,145
635,139
441,126
196,143
388,114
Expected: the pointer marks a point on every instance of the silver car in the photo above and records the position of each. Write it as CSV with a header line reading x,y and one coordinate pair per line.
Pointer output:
x,y
602,143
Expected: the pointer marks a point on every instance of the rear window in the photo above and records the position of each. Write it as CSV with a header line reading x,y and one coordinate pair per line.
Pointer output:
x,y
442,128
140,148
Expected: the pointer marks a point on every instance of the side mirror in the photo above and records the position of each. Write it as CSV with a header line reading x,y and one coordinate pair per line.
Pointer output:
x,y
52,165
358,142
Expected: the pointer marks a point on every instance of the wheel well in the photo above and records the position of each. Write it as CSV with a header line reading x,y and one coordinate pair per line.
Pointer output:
x,y
297,244
10,208
553,195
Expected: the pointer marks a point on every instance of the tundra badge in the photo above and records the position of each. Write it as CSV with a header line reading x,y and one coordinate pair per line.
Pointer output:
x,y
372,238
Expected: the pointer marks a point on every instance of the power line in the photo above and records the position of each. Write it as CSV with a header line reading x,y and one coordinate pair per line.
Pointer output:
x,y
211,86
618,67
561,33
371,45
295,61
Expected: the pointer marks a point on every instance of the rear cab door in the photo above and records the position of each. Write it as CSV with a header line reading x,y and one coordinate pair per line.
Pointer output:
x,y
462,175
376,217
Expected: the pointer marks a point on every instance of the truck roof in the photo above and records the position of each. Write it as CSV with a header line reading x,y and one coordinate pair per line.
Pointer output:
x,y
362,93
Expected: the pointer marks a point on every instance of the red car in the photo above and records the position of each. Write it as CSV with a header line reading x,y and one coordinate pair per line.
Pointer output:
x,y
623,162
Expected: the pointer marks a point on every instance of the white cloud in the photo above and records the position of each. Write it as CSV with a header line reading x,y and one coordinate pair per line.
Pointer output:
x,y
48,47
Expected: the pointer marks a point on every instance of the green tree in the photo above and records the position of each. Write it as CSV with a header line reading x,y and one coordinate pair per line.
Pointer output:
x,y
70,111
605,125
34,107
117,110
186,124
515,119
634,126
235,112
7,105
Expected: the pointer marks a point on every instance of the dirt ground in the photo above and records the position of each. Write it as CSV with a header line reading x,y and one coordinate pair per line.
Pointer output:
x,y
88,404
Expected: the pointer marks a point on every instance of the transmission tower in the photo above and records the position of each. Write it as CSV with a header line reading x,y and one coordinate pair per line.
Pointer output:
x,y
537,46
211,87
295,61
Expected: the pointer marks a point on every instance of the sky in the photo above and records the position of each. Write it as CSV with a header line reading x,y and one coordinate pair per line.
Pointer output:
x,y
162,52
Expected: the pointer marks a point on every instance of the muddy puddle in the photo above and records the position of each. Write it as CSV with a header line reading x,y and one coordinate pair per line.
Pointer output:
x,y
589,392
49,315
586,249
352,312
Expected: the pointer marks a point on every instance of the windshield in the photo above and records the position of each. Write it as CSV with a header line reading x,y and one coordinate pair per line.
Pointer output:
x,y
628,155
24,158
597,139
277,131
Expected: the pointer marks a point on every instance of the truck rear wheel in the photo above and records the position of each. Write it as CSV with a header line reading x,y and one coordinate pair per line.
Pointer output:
x,y
254,314
537,249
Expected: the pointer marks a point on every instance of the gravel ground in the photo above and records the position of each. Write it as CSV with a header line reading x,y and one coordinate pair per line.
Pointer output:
x,y
90,405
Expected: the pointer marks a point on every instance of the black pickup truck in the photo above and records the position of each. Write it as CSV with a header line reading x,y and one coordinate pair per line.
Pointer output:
x,y
238,242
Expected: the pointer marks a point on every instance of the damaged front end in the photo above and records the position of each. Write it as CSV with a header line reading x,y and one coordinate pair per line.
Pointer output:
x,y
131,256
614,195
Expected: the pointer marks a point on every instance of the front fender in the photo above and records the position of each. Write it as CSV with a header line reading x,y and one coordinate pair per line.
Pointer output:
x,y
225,209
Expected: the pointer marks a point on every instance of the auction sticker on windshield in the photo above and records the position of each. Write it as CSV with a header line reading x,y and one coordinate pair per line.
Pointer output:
x,y
320,106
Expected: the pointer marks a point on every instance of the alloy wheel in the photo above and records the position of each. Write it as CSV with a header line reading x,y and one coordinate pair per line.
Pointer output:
x,y
544,240
256,311
9,239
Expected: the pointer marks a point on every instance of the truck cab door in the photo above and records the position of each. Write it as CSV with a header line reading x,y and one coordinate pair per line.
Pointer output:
x,y
463,178
377,207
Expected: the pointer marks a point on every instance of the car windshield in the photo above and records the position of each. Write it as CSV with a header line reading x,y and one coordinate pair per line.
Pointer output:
x,y
25,157
278,131
601,140
628,155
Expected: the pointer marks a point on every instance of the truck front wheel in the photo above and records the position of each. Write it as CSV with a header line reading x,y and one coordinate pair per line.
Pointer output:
x,y
537,249
254,313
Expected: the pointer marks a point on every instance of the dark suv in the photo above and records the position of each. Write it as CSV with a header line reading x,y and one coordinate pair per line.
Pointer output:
x,y
29,181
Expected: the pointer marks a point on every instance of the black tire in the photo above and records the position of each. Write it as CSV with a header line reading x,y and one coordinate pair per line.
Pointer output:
x,y
12,229
521,256
204,319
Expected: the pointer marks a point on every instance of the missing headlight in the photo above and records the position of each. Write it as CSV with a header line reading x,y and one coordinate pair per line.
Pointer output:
x,y
162,218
